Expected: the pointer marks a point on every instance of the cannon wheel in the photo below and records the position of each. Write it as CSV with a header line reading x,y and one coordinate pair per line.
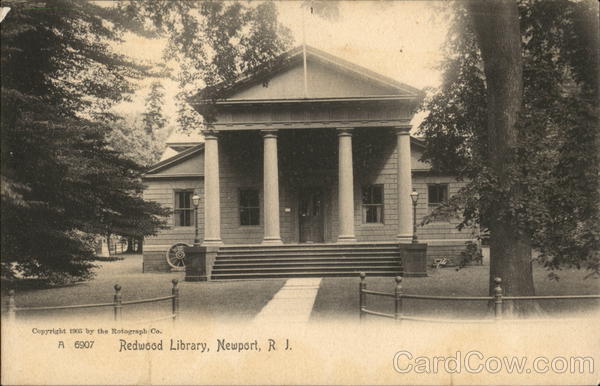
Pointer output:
x,y
176,255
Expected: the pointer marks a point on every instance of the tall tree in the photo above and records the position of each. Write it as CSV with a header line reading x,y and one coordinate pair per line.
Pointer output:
x,y
496,25
128,136
516,116
214,43
154,120
61,181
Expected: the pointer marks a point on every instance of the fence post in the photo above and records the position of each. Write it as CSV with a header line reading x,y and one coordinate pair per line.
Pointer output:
x,y
175,293
498,299
398,299
362,297
118,302
11,306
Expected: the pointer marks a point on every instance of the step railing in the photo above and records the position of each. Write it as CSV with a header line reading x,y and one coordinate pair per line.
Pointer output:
x,y
117,304
498,301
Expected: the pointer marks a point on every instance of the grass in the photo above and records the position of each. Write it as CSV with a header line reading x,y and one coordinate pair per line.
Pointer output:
x,y
226,300
338,297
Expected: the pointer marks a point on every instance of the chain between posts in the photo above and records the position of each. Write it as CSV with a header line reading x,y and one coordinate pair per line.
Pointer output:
x,y
117,304
497,299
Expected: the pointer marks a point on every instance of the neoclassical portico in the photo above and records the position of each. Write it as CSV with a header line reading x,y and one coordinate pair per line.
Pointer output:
x,y
305,169
342,99
271,208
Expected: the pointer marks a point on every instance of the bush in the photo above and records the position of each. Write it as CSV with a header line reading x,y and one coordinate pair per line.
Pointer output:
x,y
471,254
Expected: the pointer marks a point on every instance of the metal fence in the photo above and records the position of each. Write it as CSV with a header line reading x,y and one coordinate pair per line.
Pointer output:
x,y
117,304
498,301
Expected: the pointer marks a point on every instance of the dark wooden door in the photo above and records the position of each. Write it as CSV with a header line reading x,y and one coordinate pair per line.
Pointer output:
x,y
311,211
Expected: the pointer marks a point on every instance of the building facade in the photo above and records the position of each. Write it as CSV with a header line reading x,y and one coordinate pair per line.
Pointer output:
x,y
314,151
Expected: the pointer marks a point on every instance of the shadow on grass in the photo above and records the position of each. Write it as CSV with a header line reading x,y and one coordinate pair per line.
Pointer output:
x,y
26,285
108,258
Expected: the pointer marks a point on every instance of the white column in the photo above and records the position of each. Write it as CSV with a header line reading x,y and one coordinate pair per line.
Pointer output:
x,y
271,188
405,217
345,187
212,198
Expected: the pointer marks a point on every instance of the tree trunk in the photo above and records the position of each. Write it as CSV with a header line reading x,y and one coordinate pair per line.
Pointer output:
x,y
140,245
130,241
496,25
108,244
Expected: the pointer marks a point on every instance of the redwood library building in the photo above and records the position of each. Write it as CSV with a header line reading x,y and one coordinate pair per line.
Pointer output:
x,y
308,170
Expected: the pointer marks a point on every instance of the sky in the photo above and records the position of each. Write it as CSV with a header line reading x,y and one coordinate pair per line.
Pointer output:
x,y
399,39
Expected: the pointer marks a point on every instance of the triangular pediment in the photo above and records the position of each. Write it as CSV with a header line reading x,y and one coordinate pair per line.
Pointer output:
x,y
323,81
327,77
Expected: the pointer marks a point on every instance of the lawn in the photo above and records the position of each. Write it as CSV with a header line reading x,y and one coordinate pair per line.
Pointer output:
x,y
338,297
226,300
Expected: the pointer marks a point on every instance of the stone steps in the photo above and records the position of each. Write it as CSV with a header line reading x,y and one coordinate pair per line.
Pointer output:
x,y
310,260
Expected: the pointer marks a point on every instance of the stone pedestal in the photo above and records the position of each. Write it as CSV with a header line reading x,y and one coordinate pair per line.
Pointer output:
x,y
414,259
198,262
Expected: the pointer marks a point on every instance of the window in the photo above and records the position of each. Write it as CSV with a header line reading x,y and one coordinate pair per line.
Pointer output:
x,y
372,204
184,210
437,194
249,207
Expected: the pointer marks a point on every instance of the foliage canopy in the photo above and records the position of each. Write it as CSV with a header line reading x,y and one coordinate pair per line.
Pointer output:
x,y
64,176
555,165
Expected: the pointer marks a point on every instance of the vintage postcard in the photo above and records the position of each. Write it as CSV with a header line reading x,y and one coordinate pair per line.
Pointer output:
x,y
300,192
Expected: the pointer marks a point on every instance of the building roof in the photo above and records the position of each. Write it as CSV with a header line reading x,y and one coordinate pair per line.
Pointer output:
x,y
175,159
291,58
179,141
182,146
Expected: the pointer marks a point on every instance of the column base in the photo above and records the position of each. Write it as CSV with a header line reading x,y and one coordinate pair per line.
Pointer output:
x,y
346,239
272,241
404,239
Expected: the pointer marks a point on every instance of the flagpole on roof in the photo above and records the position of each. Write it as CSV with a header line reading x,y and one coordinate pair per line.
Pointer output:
x,y
304,54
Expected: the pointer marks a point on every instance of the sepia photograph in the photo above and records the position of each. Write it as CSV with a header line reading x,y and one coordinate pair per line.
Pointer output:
x,y
300,192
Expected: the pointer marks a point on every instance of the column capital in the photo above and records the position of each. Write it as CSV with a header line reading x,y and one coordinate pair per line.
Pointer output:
x,y
403,130
210,134
269,133
344,132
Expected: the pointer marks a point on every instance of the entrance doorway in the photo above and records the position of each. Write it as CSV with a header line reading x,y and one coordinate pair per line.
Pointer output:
x,y
311,215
